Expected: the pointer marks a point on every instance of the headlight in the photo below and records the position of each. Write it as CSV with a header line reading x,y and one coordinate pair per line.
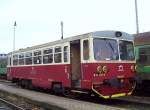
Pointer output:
x,y
105,69
100,69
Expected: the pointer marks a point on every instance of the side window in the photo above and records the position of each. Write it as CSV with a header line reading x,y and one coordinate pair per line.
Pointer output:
x,y
57,55
85,49
66,54
28,58
37,57
144,55
48,56
21,59
15,59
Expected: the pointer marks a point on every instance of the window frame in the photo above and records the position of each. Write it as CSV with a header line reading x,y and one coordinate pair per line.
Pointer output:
x,y
57,53
48,55
21,59
86,52
37,58
15,59
65,52
144,55
28,57
97,59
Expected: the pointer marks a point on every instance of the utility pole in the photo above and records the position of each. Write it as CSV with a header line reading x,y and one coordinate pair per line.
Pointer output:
x,y
14,26
136,14
62,30
14,39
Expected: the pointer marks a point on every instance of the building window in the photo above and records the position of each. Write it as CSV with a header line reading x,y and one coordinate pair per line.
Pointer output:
x,y
57,55
28,58
15,59
48,56
37,57
66,54
85,49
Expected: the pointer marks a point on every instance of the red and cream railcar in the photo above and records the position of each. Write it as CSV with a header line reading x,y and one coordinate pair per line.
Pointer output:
x,y
101,62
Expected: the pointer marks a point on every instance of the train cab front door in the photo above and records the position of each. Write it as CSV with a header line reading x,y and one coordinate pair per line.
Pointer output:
x,y
75,64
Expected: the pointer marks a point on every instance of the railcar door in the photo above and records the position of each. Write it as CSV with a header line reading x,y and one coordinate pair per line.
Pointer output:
x,y
75,64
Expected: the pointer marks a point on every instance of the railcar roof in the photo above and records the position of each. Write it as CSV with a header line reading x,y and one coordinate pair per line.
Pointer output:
x,y
142,39
82,36
112,34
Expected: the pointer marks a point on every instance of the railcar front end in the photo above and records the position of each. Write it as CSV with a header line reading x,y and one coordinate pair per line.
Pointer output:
x,y
113,67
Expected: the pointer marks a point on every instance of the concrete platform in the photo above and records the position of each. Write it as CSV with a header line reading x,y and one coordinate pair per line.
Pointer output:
x,y
52,100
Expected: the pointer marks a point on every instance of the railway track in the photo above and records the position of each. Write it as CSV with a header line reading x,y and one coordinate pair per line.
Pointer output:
x,y
136,99
128,102
11,105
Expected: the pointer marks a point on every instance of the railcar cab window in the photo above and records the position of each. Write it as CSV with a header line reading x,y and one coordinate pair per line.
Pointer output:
x,y
28,58
21,59
144,56
66,54
37,57
85,49
57,55
47,56
126,50
15,59
105,49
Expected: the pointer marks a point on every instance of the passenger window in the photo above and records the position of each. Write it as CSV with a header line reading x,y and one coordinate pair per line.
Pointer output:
x,y
48,56
15,59
57,55
66,54
48,51
21,59
37,57
28,58
85,49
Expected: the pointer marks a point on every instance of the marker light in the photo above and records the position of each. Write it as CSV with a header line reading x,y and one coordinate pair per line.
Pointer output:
x,y
118,34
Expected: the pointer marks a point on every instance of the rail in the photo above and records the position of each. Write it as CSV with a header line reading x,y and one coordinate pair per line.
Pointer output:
x,y
14,106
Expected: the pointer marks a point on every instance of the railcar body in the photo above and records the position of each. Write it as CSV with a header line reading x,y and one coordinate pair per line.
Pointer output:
x,y
142,52
100,62
3,66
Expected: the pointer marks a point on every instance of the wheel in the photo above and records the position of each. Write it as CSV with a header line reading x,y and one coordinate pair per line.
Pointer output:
x,y
57,88
29,84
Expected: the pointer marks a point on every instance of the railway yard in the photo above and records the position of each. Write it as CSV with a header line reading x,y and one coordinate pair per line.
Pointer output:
x,y
15,98
105,69
46,78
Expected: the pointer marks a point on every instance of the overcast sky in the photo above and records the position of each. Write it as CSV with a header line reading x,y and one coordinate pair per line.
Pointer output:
x,y
38,21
